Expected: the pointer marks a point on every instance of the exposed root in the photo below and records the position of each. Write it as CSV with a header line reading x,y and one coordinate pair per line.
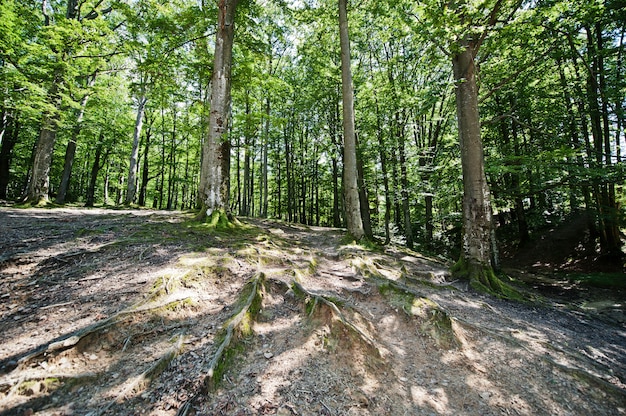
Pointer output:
x,y
238,325
314,299
435,320
142,380
70,340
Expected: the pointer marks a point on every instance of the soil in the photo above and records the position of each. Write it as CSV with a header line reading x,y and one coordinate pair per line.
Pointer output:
x,y
113,312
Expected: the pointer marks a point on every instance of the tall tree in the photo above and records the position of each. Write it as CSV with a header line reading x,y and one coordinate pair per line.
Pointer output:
x,y
214,185
478,249
63,46
350,172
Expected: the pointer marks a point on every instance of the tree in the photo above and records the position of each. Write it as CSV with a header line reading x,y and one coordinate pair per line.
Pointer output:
x,y
214,185
350,173
63,45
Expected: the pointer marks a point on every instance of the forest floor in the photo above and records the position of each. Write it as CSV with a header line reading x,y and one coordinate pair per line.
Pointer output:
x,y
112,312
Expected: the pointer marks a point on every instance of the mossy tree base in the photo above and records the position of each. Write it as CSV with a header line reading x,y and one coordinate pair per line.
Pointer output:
x,y
482,278
218,219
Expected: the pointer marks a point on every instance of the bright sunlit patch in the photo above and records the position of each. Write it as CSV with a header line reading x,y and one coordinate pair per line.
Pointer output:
x,y
194,261
434,398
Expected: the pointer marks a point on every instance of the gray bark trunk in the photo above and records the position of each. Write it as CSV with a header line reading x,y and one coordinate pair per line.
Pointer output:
x,y
477,216
134,154
214,181
39,184
70,150
351,190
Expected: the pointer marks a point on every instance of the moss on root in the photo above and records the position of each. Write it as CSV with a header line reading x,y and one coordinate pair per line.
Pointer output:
x,y
218,219
482,278
236,328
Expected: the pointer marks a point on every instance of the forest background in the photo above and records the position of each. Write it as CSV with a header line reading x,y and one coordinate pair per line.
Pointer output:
x,y
119,90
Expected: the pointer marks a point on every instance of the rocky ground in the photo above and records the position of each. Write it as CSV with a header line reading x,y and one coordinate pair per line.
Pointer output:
x,y
110,312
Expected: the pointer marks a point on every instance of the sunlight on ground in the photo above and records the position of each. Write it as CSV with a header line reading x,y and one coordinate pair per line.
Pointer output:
x,y
433,398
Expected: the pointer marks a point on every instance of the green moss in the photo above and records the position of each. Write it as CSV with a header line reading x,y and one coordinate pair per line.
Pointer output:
x,y
242,330
482,278
434,321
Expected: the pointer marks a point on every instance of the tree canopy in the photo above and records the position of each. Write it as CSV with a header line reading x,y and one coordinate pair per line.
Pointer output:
x,y
106,102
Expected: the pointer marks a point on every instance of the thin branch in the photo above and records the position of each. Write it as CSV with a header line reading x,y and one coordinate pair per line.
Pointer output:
x,y
514,75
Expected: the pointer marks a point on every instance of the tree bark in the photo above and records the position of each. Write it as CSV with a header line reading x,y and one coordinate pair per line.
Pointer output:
x,y
39,184
145,166
134,154
475,262
404,182
70,150
91,189
351,190
9,140
214,182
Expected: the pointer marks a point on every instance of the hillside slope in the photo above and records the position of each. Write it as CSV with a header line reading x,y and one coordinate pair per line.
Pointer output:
x,y
142,312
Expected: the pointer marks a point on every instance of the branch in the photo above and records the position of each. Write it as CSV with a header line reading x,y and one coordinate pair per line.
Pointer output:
x,y
515,75
167,52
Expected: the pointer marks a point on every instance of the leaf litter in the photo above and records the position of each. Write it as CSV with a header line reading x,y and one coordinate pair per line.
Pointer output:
x,y
112,312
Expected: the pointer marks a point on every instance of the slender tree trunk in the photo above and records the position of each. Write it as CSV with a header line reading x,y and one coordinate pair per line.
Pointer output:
x,y
475,262
350,175
9,140
363,198
334,118
163,163
247,149
613,243
70,150
264,161
145,167
382,150
134,154
404,182
91,189
105,188
214,178
289,174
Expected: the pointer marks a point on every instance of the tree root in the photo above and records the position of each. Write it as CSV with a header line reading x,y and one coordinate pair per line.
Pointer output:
x,y
70,340
142,380
435,319
238,325
314,299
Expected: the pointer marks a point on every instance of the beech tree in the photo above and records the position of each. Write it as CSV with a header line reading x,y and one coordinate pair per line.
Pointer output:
x,y
214,185
350,175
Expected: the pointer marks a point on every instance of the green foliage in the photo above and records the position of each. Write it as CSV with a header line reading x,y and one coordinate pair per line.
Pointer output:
x,y
603,280
535,106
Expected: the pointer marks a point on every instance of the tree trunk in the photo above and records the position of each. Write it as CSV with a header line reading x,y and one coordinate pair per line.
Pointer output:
x,y
91,189
145,167
475,261
334,116
214,181
264,161
134,154
363,198
9,140
39,184
613,244
70,150
404,182
351,190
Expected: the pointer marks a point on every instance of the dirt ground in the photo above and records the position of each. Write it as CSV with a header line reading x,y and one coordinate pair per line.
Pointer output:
x,y
111,312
